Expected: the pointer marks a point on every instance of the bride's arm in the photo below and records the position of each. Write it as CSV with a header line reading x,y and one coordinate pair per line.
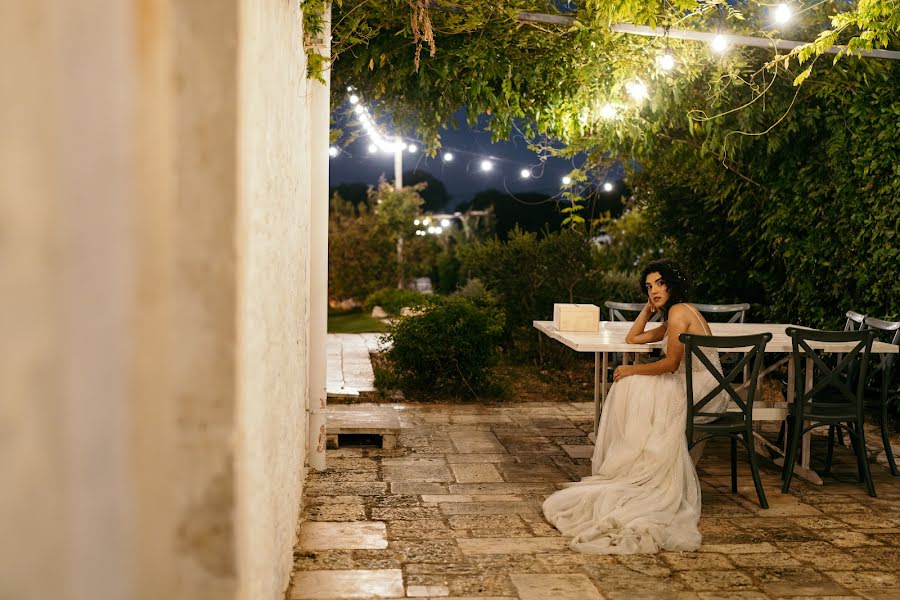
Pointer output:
x,y
637,333
678,322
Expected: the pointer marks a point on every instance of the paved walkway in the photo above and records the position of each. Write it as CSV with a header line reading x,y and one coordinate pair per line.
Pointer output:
x,y
454,511
349,370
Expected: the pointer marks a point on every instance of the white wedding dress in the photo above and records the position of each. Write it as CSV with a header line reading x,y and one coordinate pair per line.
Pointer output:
x,y
643,495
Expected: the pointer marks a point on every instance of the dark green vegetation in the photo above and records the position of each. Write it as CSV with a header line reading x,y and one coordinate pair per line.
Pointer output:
x,y
449,347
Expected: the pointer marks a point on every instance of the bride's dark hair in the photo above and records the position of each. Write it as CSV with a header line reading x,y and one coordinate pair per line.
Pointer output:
x,y
677,282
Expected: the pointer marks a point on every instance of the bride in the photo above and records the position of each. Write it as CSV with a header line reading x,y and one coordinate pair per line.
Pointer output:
x,y
643,495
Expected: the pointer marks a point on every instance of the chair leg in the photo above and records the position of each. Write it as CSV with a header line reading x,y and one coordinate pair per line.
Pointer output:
x,y
795,431
830,453
886,440
750,444
863,459
853,434
733,464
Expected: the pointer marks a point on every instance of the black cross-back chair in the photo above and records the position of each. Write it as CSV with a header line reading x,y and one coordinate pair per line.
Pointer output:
x,y
616,310
854,322
879,382
732,424
836,396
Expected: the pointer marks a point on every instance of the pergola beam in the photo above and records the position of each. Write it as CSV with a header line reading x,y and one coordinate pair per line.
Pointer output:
x,y
703,36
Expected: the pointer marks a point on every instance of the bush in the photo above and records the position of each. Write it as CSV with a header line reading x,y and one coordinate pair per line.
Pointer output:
x,y
529,275
393,299
450,346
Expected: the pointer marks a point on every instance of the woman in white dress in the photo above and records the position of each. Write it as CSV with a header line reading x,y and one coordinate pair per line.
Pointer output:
x,y
643,495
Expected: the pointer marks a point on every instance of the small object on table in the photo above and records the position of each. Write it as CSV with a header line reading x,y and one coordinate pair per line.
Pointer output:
x,y
576,317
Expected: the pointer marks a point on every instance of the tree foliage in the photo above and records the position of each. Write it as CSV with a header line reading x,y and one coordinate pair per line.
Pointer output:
x,y
772,176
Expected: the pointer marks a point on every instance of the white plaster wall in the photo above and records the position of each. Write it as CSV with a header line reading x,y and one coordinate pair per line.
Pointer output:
x,y
154,290
66,285
273,236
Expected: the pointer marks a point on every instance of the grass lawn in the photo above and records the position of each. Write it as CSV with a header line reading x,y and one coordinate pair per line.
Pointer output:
x,y
354,322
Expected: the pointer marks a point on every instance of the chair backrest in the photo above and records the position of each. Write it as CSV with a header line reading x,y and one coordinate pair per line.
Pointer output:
x,y
885,329
854,321
616,310
737,312
850,369
693,350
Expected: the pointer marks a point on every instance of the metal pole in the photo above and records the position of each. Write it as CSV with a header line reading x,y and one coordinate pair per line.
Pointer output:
x,y
702,36
740,40
398,165
398,184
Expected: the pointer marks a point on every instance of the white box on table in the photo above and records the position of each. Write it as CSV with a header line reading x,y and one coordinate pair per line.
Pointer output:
x,y
576,317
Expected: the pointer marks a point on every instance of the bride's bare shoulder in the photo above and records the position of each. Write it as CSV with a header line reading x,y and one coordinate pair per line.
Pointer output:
x,y
680,311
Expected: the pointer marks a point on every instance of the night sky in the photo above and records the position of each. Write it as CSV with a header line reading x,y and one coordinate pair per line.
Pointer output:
x,y
462,176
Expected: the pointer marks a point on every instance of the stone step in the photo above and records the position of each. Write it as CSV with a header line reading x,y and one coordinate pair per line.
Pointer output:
x,y
361,419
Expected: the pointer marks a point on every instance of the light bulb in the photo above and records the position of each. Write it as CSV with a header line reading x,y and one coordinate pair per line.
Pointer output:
x,y
607,187
486,165
416,222
637,90
373,148
439,230
412,148
332,151
431,230
448,156
719,43
782,14
566,180
525,173
427,221
445,223
608,111
666,61
354,99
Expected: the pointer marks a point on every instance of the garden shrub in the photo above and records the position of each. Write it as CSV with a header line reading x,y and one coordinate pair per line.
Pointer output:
x,y
393,299
529,275
448,347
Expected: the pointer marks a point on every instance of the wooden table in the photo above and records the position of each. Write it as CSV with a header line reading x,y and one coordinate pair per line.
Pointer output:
x,y
610,337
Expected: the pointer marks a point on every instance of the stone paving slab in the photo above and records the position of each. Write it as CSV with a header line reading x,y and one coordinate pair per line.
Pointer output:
x,y
453,511
349,369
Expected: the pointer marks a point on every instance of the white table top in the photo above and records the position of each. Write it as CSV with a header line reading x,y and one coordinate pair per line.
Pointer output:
x,y
610,337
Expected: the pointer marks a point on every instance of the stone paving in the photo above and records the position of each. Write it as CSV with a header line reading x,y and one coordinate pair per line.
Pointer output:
x,y
348,366
454,511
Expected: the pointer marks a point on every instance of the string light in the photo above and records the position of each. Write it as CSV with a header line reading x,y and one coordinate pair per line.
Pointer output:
x,y
567,180
607,187
608,111
637,90
782,14
719,44
397,144
445,222
666,61
332,151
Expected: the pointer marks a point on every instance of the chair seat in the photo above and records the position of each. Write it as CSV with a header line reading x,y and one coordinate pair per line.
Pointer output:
x,y
827,411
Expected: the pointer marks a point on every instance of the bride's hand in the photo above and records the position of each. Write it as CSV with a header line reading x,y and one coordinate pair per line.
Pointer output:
x,y
623,371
